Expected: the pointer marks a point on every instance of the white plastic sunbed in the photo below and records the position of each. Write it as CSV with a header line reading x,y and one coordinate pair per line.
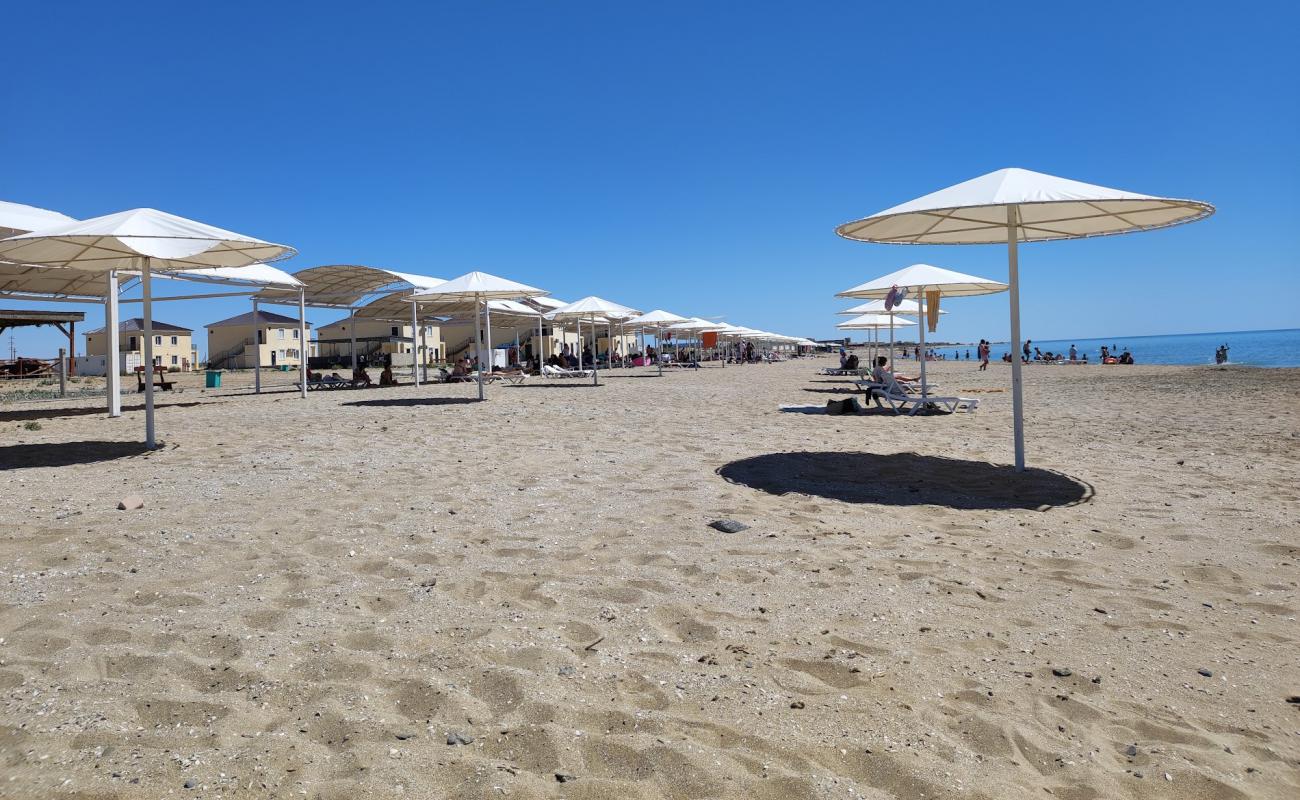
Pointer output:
x,y
899,399
557,372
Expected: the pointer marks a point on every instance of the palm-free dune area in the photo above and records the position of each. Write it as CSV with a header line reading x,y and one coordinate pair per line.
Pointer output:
x,y
407,593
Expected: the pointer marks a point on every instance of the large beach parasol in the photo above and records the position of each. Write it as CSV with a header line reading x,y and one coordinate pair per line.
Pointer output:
x,y
920,279
657,319
144,240
904,308
478,288
1018,205
875,322
17,218
592,309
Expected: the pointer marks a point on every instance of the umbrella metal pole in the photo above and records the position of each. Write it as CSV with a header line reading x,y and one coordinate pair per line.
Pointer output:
x,y
1013,278
487,313
478,343
257,353
303,350
891,343
148,354
595,374
415,343
113,373
659,338
920,327
538,349
352,346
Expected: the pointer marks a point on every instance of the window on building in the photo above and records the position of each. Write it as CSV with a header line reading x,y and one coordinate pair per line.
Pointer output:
x,y
175,361
130,343
295,333
157,340
279,333
176,340
394,331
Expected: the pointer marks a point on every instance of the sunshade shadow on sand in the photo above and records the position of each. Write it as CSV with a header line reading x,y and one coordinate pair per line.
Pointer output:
x,y
399,402
570,383
907,479
80,411
65,454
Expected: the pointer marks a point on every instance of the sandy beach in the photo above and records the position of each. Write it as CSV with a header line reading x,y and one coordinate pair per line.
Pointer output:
x,y
406,593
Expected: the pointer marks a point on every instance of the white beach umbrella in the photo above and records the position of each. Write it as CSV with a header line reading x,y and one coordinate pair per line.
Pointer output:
x,y
657,319
1018,205
922,278
594,310
143,240
875,322
478,288
904,308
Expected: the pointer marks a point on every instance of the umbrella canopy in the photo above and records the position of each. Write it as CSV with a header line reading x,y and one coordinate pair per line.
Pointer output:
x,y
1019,205
655,319
925,276
119,242
18,218
870,321
907,308
478,287
142,239
1048,207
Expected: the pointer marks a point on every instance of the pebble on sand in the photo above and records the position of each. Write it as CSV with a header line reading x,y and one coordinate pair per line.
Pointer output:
x,y
454,738
131,502
728,526
1205,673
1062,672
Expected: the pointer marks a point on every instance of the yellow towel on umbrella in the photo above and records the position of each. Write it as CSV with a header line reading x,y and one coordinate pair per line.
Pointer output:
x,y
932,311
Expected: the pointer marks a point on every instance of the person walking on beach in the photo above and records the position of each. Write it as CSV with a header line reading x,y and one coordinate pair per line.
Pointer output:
x,y
983,352
1026,349
1074,354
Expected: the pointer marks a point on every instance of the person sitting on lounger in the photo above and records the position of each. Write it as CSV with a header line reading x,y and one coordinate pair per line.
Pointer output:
x,y
386,377
360,376
882,375
312,376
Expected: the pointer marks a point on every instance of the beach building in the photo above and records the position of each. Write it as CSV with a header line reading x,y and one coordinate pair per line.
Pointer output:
x,y
173,346
377,340
231,341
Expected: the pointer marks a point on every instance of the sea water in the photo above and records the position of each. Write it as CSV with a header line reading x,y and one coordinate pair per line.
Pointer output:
x,y
1278,348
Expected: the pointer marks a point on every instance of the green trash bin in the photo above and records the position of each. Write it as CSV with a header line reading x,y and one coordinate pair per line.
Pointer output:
x,y
213,379
284,367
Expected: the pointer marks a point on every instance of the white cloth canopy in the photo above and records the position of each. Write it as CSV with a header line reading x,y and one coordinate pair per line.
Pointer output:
x,y
925,276
870,321
655,319
18,218
119,242
346,285
1018,205
907,308
975,212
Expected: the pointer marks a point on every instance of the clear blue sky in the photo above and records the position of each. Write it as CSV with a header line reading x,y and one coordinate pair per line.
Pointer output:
x,y
692,156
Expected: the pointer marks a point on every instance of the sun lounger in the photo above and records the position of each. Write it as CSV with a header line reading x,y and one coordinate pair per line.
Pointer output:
x,y
557,372
899,399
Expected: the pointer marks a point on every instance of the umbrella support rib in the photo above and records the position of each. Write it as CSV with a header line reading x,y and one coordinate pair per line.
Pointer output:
x,y
1013,278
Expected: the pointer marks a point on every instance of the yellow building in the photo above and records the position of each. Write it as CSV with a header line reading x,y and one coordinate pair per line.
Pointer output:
x,y
230,341
377,339
173,346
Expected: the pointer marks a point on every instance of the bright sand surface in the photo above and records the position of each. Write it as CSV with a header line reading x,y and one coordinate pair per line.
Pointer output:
x,y
317,593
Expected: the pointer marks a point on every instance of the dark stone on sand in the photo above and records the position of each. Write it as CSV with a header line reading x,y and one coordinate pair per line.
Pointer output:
x,y
401,737
564,777
728,526
454,738
1295,698
1205,673
1062,672
190,784
1131,750
797,704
